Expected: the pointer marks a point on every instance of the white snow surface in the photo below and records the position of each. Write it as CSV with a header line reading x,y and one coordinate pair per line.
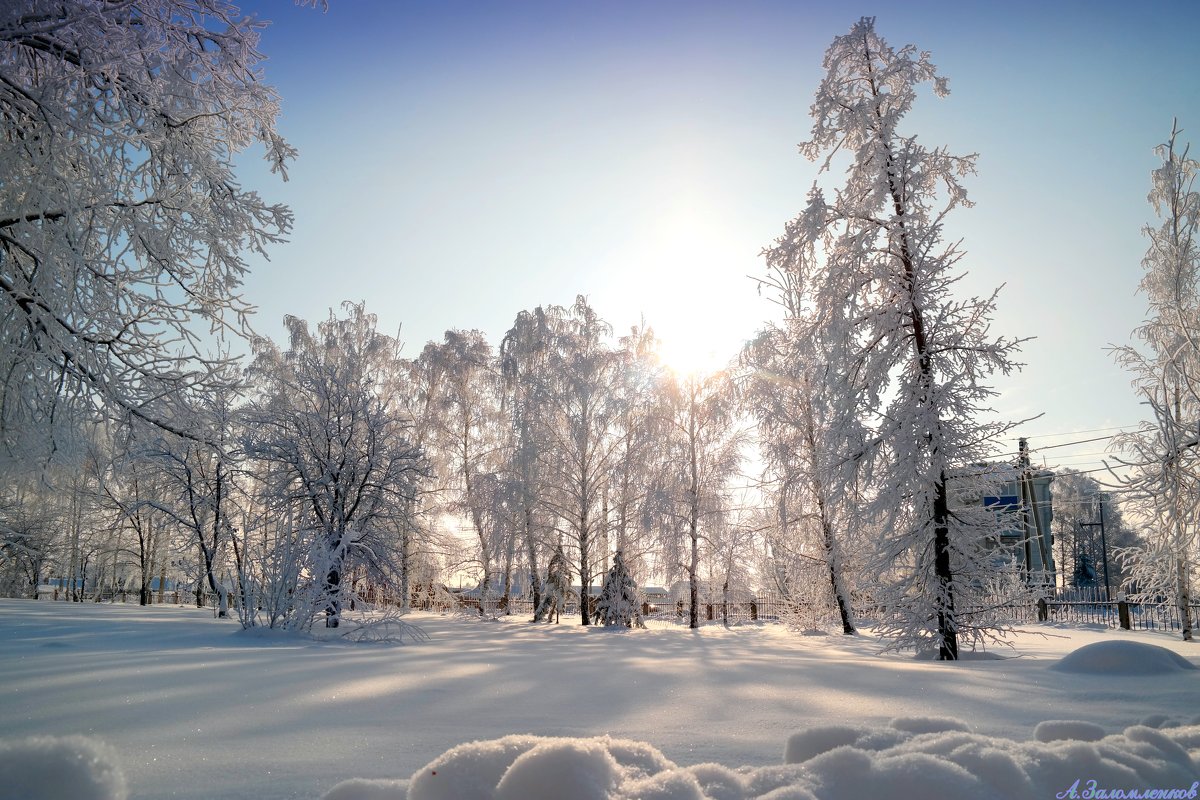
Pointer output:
x,y
177,704
1122,658
54,767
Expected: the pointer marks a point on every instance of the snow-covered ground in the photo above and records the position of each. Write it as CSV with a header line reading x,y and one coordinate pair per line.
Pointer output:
x,y
192,707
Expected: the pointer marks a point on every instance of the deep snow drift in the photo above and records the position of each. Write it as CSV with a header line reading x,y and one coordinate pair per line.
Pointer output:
x,y
911,759
190,707
1122,658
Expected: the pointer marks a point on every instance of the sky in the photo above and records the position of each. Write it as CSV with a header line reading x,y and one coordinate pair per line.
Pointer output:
x,y
463,161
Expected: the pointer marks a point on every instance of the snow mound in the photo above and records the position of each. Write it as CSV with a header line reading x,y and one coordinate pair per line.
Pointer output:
x,y
909,759
1122,658
68,766
1055,730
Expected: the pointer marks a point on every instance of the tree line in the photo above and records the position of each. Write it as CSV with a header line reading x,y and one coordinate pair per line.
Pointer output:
x,y
332,461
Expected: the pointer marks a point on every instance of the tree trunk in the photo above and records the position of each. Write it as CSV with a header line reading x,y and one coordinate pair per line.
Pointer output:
x,y
405,591
693,516
199,580
947,623
531,546
584,567
832,551
333,584
333,594
944,591
836,579
509,554
693,588
1184,598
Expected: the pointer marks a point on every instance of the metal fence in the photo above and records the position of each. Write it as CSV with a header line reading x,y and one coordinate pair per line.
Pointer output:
x,y
173,598
1088,606
659,609
1092,605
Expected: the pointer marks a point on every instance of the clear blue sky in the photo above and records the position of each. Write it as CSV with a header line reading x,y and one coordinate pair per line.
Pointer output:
x,y
462,161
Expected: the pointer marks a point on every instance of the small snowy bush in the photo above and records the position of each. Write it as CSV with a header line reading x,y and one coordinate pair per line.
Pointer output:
x,y
619,603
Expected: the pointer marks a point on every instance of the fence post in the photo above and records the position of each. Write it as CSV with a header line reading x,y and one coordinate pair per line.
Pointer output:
x,y
645,609
753,611
1123,611
708,611
1043,610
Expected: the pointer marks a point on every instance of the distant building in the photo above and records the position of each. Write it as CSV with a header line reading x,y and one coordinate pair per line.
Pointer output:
x,y
1024,504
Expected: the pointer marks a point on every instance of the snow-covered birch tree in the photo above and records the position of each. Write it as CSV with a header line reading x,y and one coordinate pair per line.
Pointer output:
x,y
790,392
920,355
638,459
580,407
703,441
523,361
466,399
1165,452
122,223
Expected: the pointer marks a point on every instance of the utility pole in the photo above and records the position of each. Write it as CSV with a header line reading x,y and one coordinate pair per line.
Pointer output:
x,y
1103,545
1104,552
1023,463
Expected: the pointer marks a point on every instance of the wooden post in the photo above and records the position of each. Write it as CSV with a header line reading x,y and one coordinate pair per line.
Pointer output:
x,y
1123,611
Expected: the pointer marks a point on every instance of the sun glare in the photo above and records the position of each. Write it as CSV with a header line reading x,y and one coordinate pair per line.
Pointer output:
x,y
686,355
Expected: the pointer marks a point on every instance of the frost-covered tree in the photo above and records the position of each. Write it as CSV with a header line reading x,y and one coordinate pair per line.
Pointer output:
x,y
334,446
523,362
921,356
619,603
134,490
791,394
199,487
702,442
638,458
122,222
580,409
29,536
557,588
465,392
1165,455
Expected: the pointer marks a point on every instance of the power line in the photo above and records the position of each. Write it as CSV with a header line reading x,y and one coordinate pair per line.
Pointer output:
x,y
1073,433
1070,444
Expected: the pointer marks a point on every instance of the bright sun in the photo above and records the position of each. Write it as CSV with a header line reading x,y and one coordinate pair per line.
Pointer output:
x,y
693,354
